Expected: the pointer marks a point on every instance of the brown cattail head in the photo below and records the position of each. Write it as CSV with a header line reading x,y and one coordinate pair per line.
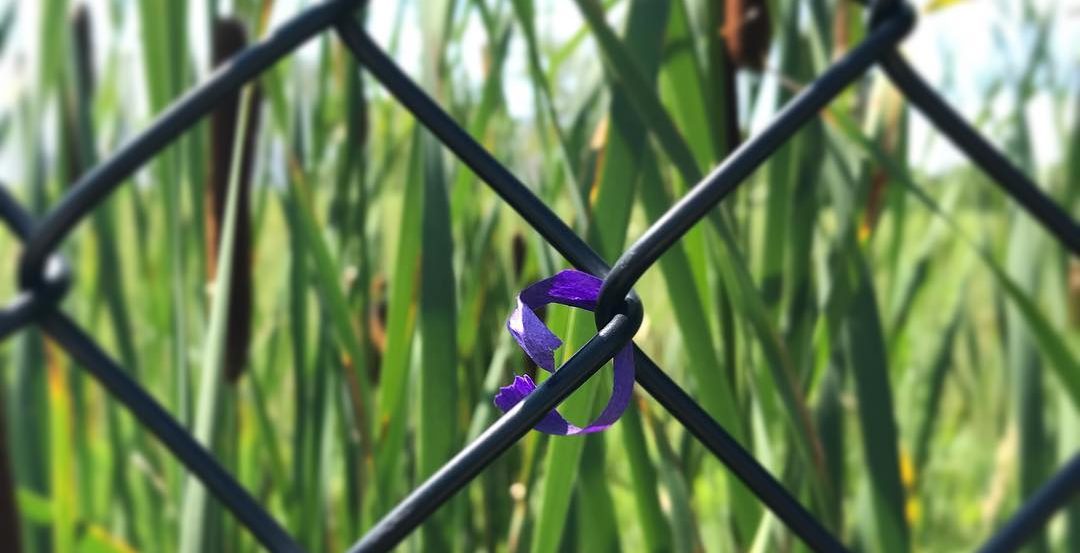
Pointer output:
x,y
229,38
518,251
747,32
78,92
84,48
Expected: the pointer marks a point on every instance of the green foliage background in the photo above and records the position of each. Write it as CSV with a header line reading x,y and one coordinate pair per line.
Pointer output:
x,y
899,346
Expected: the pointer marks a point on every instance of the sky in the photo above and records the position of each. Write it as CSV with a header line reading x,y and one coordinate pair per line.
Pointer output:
x,y
965,34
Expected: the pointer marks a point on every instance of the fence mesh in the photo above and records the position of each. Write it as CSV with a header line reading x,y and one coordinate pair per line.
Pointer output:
x,y
44,277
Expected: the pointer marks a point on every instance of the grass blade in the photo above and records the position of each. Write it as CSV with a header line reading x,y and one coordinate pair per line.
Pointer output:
x,y
936,383
1051,344
437,428
683,82
865,346
30,440
667,135
636,85
335,301
781,167
193,529
1026,367
401,321
523,10
10,532
229,38
564,455
62,456
612,194
655,529
597,527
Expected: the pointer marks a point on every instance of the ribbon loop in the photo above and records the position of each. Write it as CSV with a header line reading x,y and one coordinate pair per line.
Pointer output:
x,y
575,289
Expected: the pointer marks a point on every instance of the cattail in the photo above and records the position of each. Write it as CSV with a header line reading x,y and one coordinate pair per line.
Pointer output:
x,y
518,252
229,38
747,32
77,95
83,48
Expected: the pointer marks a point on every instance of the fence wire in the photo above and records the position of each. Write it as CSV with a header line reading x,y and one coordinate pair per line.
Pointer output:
x,y
44,277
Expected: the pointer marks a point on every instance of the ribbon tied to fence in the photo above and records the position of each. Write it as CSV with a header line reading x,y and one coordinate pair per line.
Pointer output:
x,y
574,289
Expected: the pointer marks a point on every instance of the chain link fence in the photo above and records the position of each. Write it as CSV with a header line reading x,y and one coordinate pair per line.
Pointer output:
x,y
44,277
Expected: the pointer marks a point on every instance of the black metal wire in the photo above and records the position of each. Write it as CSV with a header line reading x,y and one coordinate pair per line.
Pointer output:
x,y
151,414
504,433
1037,510
45,278
997,166
669,228
737,459
21,312
495,174
29,304
93,186
578,253
171,433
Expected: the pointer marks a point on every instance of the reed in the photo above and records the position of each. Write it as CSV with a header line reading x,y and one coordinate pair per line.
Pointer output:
x,y
889,335
229,37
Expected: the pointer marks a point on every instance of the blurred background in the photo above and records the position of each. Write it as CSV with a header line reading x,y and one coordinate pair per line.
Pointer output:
x,y
890,334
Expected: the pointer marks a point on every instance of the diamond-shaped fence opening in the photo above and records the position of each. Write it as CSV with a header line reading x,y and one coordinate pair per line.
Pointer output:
x,y
44,277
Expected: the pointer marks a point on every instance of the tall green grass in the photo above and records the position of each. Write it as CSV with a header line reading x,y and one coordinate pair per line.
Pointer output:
x,y
897,342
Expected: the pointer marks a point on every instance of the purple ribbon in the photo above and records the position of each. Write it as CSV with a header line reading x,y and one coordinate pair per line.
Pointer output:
x,y
575,289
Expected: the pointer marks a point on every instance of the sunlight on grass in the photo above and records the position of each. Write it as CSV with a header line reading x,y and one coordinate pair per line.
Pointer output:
x,y
893,338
